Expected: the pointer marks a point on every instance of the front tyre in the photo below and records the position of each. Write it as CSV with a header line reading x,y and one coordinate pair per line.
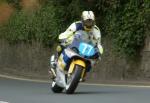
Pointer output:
x,y
55,88
73,80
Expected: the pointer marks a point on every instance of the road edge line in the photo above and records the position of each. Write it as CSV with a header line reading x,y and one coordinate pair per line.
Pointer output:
x,y
92,84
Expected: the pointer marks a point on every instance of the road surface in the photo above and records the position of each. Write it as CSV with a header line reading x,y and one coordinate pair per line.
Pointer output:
x,y
16,91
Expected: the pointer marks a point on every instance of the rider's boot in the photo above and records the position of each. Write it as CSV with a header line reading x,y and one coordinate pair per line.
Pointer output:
x,y
52,69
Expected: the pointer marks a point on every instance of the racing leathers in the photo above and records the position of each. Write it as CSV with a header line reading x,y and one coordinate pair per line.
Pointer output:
x,y
93,35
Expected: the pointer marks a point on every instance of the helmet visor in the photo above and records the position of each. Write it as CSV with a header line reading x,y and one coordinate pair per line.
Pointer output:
x,y
89,23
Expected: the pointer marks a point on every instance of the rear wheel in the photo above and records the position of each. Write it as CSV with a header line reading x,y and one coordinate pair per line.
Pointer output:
x,y
55,88
73,80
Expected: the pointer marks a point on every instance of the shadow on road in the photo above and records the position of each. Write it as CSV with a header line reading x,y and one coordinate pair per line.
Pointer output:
x,y
100,92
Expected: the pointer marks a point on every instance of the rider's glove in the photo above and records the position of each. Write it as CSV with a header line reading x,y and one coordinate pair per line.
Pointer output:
x,y
100,48
59,48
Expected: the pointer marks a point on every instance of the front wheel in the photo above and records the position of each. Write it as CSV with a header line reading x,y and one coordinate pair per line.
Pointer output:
x,y
73,80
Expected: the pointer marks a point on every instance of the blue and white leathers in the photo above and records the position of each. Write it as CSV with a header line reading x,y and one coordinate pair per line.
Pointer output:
x,y
93,35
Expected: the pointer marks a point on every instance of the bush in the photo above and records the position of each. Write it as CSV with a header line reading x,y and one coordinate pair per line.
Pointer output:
x,y
41,26
125,22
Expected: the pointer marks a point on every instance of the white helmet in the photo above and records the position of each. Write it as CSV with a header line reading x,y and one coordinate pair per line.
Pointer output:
x,y
88,19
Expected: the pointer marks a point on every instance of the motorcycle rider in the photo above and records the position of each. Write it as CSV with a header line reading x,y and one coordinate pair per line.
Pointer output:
x,y
87,24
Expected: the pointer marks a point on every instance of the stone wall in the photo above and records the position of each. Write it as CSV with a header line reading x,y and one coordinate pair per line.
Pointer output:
x,y
145,62
29,60
32,60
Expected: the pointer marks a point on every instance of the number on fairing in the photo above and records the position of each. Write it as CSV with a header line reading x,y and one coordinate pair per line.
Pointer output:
x,y
86,49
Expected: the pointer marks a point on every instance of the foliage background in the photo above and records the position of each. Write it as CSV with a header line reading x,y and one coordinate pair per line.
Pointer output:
x,y
126,22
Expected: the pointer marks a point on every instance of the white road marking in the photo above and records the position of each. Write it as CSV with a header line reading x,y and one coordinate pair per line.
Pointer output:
x,y
3,102
23,79
118,85
92,84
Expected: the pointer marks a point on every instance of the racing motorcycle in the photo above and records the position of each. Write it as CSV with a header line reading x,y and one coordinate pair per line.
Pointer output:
x,y
73,63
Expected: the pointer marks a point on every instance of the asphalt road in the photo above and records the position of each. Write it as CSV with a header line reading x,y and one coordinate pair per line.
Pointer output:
x,y
16,91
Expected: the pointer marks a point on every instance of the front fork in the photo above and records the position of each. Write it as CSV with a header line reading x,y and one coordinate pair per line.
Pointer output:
x,y
78,62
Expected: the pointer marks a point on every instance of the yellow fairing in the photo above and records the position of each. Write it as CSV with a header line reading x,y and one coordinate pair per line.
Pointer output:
x,y
77,62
